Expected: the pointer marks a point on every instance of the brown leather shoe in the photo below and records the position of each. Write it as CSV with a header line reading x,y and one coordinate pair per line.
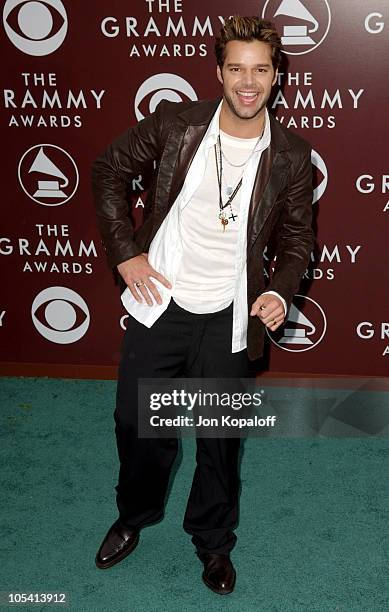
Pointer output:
x,y
219,574
118,543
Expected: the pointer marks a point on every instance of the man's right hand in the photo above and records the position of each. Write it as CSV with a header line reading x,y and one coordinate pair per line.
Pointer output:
x,y
137,273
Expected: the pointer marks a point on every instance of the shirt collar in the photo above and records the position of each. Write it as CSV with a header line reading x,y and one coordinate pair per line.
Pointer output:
x,y
213,131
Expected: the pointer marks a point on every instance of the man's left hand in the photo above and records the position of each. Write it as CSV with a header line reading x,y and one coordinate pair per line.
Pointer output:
x,y
270,310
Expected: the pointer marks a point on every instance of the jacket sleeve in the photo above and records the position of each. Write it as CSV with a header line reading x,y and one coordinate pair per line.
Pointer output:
x,y
294,235
130,154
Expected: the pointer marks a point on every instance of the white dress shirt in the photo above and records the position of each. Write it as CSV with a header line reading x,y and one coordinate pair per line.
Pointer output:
x,y
166,249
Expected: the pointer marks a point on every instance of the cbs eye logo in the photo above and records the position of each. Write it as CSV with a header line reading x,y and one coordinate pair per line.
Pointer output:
x,y
60,315
166,86
36,28
321,168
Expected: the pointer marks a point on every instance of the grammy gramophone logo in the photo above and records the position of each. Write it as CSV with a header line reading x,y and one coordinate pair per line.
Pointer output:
x,y
48,175
303,24
305,327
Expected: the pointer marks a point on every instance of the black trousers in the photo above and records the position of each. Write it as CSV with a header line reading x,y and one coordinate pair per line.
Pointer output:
x,y
179,343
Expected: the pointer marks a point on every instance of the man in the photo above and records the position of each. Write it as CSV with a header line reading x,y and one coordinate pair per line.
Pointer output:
x,y
229,180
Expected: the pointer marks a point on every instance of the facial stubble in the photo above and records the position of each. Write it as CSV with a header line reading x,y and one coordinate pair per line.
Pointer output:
x,y
232,108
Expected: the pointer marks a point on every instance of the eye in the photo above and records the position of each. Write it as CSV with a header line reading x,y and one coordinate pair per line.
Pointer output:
x,y
60,315
36,28
163,86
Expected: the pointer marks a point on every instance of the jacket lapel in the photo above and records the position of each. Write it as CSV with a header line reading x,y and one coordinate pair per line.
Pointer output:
x,y
270,179
181,148
190,142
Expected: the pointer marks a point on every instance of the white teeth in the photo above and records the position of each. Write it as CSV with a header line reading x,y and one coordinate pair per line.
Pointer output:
x,y
246,94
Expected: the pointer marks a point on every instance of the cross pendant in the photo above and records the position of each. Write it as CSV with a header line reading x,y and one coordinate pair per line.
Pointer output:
x,y
232,216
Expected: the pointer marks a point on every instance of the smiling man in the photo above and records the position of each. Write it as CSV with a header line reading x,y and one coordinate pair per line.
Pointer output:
x,y
229,180
247,75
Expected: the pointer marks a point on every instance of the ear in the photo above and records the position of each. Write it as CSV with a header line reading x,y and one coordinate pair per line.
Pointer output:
x,y
219,74
275,77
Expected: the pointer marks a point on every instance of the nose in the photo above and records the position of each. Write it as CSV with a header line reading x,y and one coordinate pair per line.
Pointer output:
x,y
248,80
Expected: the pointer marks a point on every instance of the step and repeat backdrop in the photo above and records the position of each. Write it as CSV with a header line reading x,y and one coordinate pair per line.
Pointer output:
x,y
75,75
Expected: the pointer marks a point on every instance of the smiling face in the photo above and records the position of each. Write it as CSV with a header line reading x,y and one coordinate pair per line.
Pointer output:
x,y
247,77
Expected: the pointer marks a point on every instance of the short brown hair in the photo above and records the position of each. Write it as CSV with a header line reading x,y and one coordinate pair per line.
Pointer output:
x,y
248,29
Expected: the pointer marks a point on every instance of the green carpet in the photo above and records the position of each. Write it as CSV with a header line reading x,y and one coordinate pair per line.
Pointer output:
x,y
313,533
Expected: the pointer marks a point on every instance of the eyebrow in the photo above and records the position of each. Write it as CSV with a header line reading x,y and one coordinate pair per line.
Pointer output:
x,y
257,65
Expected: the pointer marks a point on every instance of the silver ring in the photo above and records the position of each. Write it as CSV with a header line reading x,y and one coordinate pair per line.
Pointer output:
x,y
139,284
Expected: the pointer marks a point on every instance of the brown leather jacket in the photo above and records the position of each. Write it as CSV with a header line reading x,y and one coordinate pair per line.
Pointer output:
x,y
280,207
